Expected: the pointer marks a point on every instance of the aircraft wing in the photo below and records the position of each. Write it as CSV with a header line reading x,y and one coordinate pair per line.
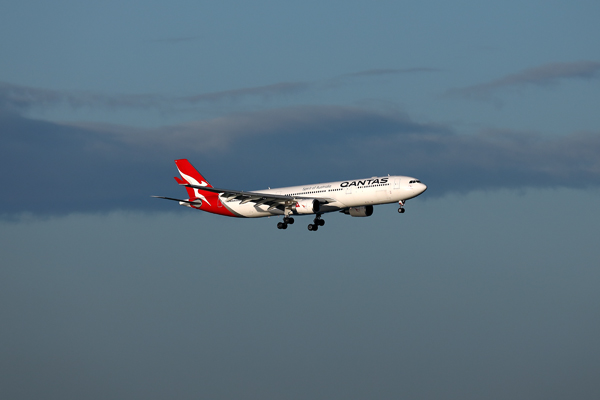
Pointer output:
x,y
271,199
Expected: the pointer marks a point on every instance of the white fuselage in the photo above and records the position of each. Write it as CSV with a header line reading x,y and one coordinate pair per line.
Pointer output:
x,y
343,194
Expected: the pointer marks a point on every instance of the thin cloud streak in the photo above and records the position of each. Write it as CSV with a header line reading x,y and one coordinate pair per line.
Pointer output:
x,y
389,71
548,74
19,98
277,89
175,39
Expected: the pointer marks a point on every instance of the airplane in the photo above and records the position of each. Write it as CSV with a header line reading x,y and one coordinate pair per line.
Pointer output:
x,y
354,197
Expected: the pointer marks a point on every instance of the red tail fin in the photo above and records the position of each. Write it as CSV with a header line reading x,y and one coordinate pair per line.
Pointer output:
x,y
191,176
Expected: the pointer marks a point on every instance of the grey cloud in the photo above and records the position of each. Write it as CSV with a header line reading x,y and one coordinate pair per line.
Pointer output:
x,y
543,75
294,127
501,159
53,168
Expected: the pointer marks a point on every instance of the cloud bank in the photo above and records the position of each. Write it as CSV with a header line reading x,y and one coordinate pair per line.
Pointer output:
x,y
51,168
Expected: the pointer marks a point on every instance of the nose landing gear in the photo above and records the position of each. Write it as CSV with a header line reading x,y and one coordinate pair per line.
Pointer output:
x,y
401,210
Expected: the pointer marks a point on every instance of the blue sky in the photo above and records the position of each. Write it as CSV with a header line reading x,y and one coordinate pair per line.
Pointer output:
x,y
486,287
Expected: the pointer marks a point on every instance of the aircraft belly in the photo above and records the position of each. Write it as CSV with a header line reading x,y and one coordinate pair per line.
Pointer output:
x,y
251,210
330,208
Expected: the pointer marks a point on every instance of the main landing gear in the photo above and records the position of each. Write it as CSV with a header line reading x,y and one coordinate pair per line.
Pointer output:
x,y
401,210
284,224
317,222
311,227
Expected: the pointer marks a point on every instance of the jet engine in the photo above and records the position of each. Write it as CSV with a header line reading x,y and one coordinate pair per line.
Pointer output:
x,y
362,211
308,206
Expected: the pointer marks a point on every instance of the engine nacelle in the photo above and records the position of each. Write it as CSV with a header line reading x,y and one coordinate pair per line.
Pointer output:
x,y
362,211
308,206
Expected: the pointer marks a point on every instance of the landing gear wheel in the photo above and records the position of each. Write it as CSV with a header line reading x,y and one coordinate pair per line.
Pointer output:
x,y
281,225
401,210
320,222
288,220
313,227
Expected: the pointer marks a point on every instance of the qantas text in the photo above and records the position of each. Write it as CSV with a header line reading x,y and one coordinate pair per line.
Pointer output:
x,y
366,182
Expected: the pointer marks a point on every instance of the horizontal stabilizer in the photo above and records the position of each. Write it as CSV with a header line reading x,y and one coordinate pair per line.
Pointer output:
x,y
195,203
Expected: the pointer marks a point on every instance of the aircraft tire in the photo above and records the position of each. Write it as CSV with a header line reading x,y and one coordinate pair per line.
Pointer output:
x,y
321,222
401,210
280,225
290,221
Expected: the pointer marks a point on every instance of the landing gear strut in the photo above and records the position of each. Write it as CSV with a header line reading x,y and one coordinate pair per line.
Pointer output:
x,y
316,223
401,209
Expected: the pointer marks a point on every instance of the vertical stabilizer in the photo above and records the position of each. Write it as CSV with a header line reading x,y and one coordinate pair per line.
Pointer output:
x,y
190,175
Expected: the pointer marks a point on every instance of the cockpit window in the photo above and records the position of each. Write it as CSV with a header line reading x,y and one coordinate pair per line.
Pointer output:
x,y
415,181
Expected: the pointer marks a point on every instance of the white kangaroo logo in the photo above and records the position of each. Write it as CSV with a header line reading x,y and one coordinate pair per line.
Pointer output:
x,y
192,181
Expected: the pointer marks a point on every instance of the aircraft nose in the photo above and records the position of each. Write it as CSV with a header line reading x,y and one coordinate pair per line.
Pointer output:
x,y
423,187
